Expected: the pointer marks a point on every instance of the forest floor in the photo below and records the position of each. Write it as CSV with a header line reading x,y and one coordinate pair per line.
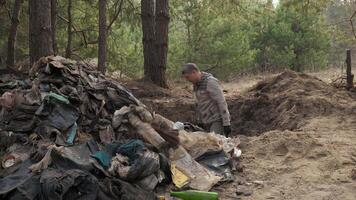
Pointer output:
x,y
297,132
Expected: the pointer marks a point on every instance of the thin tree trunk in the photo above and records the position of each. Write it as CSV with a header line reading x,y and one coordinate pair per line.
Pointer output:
x,y
69,30
54,23
10,62
148,37
102,36
40,28
296,65
189,40
349,75
161,27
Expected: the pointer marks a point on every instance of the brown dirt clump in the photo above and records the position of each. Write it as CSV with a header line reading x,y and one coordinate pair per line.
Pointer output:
x,y
286,102
176,102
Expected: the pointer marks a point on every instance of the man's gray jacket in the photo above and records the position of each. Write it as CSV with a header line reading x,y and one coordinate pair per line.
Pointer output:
x,y
211,103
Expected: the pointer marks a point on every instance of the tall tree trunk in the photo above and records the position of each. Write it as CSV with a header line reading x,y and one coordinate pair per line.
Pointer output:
x,y
102,36
162,21
40,28
54,23
11,43
69,30
148,37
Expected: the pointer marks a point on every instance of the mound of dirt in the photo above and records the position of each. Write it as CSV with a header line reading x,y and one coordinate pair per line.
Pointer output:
x,y
286,102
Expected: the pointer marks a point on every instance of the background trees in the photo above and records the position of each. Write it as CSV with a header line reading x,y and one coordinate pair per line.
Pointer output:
x,y
102,36
40,29
11,42
155,20
222,37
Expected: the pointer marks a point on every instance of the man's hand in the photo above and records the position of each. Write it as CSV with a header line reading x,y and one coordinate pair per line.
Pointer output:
x,y
227,130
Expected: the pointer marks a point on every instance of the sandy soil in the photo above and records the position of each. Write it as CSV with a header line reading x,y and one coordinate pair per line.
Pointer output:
x,y
315,162
316,159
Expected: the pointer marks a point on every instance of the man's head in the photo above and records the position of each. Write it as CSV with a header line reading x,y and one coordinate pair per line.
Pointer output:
x,y
191,72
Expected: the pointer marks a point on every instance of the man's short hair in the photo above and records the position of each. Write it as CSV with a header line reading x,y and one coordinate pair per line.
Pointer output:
x,y
189,68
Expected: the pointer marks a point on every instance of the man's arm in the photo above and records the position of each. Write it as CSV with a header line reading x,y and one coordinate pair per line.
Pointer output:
x,y
216,93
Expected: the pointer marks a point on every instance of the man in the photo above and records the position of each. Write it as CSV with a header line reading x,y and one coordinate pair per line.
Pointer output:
x,y
211,104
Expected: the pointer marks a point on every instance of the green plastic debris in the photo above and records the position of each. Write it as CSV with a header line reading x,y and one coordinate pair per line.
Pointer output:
x,y
59,97
72,132
195,195
103,158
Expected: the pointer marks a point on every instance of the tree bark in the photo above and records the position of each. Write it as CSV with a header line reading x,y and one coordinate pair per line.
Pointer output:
x,y
69,30
40,28
162,21
54,23
11,43
102,36
148,37
349,75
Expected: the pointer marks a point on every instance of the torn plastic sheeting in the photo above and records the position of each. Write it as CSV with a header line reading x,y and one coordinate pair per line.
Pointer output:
x,y
218,162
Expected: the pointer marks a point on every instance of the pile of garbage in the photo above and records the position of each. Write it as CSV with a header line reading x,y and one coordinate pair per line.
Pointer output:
x,y
69,132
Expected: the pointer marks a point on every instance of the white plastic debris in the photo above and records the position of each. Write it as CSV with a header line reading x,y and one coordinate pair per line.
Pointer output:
x,y
236,153
178,126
